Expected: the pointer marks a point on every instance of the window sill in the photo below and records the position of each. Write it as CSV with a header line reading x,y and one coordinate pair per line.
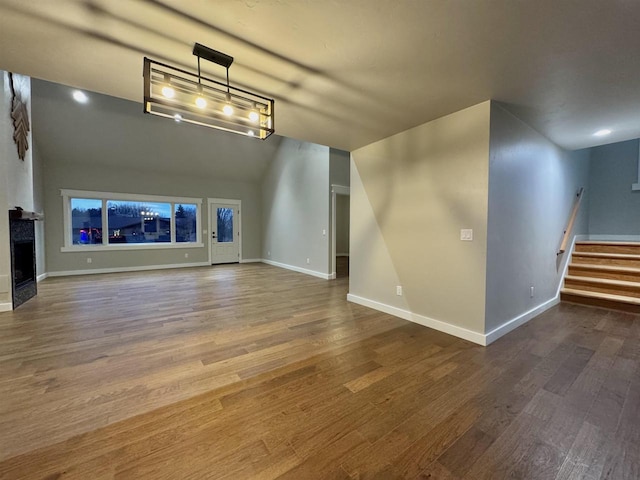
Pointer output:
x,y
131,246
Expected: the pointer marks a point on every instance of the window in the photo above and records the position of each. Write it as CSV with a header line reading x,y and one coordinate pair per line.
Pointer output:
x,y
112,221
225,225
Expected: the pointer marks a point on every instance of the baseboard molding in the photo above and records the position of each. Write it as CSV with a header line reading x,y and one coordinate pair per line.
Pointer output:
x,y
514,323
614,238
95,271
439,325
251,260
342,254
332,276
6,307
42,277
325,276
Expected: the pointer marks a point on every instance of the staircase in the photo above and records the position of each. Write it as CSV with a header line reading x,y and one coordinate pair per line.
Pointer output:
x,y
604,274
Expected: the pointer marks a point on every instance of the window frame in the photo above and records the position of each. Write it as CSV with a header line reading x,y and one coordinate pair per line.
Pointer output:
x,y
69,246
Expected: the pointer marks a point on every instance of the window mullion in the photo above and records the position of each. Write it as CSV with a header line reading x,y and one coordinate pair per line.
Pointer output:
x,y
105,223
172,223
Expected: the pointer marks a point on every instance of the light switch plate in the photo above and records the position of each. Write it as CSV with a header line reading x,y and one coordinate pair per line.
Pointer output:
x,y
466,234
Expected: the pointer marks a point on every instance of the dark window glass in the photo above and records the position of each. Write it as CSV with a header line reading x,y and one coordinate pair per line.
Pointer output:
x,y
86,221
139,222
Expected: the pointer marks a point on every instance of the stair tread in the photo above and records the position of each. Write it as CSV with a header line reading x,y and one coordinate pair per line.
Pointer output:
x,y
628,256
604,281
608,268
602,296
608,242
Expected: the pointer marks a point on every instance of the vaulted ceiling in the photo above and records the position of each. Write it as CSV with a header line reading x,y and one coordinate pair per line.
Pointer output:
x,y
346,73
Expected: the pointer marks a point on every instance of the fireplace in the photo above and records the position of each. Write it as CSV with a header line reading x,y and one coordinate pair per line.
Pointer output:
x,y
23,260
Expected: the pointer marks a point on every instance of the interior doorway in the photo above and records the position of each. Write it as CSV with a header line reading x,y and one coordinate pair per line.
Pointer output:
x,y
225,238
340,213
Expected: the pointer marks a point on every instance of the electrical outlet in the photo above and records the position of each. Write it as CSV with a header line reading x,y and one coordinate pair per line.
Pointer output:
x,y
186,255
399,290
89,260
531,292
466,234
308,261
269,253
324,232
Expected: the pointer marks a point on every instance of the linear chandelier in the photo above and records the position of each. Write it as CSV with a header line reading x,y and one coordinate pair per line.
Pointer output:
x,y
183,96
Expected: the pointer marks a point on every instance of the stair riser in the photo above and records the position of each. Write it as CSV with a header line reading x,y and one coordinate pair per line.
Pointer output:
x,y
628,291
597,302
594,273
621,262
627,249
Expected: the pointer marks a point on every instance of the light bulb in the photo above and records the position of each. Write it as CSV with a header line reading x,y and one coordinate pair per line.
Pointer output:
x,y
602,133
177,117
80,96
227,109
201,102
250,133
168,92
253,116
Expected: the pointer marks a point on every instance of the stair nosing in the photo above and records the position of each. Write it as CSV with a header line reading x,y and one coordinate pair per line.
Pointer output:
x,y
601,296
611,268
605,281
626,256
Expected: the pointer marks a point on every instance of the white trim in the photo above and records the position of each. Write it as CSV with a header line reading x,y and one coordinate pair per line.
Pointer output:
x,y
614,238
514,323
127,196
42,277
129,246
439,325
251,260
227,201
96,271
335,190
636,186
6,307
324,276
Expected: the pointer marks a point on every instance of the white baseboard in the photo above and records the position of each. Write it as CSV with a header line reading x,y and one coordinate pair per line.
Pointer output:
x,y
251,260
514,323
41,277
332,276
6,307
126,269
325,276
441,326
614,238
342,254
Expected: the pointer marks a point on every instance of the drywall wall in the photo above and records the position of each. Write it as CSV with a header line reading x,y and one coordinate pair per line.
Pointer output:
x,y
342,224
295,207
339,167
16,175
109,145
532,189
105,179
38,206
411,194
614,208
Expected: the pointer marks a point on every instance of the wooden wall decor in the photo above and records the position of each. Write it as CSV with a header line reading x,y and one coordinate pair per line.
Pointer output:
x,y
20,117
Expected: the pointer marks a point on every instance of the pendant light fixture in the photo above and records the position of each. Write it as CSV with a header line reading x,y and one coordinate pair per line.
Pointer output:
x,y
183,96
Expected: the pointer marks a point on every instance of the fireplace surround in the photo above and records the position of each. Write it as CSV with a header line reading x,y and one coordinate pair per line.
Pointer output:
x,y
23,259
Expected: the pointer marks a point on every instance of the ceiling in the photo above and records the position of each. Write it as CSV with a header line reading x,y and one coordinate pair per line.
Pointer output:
x,y
346,73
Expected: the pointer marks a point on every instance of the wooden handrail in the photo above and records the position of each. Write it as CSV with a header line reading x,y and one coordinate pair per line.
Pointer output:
x,y
574,214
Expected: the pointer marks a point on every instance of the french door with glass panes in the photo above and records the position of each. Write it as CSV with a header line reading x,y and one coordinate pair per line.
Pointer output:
x,y
225,235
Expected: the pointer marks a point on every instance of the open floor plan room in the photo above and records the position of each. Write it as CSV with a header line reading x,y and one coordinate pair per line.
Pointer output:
x,y
251,371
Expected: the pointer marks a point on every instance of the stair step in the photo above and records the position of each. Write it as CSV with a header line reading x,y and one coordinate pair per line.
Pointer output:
x,y
612,272
599,299
607,247
603,285
598,258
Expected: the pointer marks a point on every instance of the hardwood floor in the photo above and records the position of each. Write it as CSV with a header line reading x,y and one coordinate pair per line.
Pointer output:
x,y
250,371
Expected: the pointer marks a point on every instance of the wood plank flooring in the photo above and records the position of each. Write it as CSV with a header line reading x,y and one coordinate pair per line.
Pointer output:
x,y
250,371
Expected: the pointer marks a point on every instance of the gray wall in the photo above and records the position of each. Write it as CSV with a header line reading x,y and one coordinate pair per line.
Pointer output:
x,y
339,165
532,188
411,194
95,178
614,209
295,197
109,145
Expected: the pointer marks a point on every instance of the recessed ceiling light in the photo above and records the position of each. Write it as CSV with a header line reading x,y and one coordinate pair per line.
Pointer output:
x,y
80,97
602,133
